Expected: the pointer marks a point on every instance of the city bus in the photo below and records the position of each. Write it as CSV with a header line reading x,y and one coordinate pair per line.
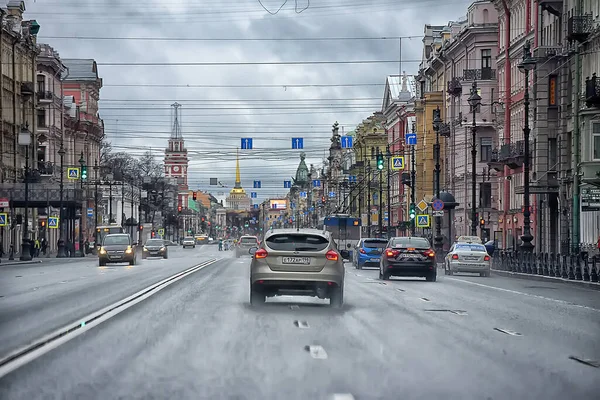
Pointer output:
x,y
345,231
103,230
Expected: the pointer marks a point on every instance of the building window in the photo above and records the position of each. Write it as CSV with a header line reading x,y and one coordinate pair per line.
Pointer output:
x,y
596,141
41,83
552,91
486,59
41,118
485,195
485,149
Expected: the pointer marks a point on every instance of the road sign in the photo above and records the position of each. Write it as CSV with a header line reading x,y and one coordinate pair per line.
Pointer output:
x,y
247,143
53,222
331,194
287,184
422,205
302,194
397,163
73,173
3,219
292,205
437,205
213,181
352,179
90,212
253,195
256,206
423,221
297,143
161,232
316,183
4,202
256,184
346,142
439,213
411,139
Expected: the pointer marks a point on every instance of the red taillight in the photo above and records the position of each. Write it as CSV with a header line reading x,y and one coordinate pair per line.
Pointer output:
x,y
332,255
391,253
430,253
455,256
362,251
261,253
486,258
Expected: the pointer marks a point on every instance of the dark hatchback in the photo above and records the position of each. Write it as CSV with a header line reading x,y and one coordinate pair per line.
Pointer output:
x,y
408,256
368,253
116,248
155,248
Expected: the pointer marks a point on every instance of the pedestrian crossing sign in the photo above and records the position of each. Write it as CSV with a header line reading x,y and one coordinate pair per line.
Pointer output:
x,y
397,163
3,219
53,222
161,232
423,221
73,173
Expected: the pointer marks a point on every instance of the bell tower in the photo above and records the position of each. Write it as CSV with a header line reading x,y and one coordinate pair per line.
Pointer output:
x,y
176,157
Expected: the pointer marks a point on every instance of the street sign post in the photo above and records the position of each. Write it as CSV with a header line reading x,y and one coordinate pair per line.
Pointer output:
x,y
438,213
422,205
331,194
161,232
90,212
397,163
346,142
253,195
297,143
256,206
287,184
73,173
256,184
352,179
246,143
411,139
316,183
53,222
302,194
3,219
437,205
423,221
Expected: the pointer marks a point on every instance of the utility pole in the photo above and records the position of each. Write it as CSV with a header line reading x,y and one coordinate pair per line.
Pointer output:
x,y
413,182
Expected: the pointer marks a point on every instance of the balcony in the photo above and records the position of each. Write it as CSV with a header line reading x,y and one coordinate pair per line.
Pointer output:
x,y
455,87
592,91
45,96
580,27
27,88
481,74
511,155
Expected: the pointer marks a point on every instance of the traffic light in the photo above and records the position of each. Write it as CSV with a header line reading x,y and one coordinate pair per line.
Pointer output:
x,y
412,212
380,161
179,208
194,196
43,223
84,173
140,227
202,219
482,222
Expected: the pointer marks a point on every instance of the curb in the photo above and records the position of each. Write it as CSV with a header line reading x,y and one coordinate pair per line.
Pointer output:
x,y
8,264
542,278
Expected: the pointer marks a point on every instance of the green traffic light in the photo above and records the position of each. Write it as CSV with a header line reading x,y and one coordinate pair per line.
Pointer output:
x,y
380,161
84,173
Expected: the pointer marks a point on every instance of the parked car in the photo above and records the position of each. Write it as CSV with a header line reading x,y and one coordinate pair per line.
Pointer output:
x,y
368,253
155,248
408,256
116,248
468,257
300,263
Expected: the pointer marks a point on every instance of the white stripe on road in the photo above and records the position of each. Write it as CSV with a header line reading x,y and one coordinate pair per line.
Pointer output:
x,y
568,303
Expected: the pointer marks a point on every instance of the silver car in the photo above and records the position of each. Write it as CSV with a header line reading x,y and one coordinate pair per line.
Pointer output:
x,y
467,257
189,241
297,262
246,243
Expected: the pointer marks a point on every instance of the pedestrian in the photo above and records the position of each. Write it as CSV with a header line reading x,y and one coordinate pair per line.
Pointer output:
x,y
31,248
86,246
44,246
37,247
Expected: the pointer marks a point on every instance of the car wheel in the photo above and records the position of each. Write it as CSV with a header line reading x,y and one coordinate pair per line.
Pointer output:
x,y
431,277
385,276
166,256
336,299
132,262
484,274
101,263
445,269
358,266
256,297
380,274
144,256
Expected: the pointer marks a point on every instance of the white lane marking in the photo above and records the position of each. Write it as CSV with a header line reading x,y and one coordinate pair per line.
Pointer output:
x,y
342,396
400,290
317,352
41,346
568,303
301,324
424,299
294,307
508,332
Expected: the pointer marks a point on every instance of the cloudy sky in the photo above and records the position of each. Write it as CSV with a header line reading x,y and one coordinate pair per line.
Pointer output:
x,y
142,47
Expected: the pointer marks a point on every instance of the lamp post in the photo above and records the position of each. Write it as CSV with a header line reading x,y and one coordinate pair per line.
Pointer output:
x,y
368,198
437,122
413,183
380,208
61,240
525,66
474,101
389,196
25,140
82,164
95,197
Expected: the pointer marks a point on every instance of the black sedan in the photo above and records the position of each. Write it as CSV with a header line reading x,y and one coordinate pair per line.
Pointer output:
x,y
408,256
155,248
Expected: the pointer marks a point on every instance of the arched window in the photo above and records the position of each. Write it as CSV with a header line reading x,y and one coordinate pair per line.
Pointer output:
x,y
485,16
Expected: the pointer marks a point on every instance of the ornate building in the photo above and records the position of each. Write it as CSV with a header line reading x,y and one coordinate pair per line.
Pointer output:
x,y
176,159
238,198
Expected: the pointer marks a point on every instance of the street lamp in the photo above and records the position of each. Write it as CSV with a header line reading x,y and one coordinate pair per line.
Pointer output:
x,y
95,199
474,101
437,123
525,66
82,164
389,198
61,240
25,140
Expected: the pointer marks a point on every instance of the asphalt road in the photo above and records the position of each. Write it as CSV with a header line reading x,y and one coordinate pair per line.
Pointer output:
x,y
199,339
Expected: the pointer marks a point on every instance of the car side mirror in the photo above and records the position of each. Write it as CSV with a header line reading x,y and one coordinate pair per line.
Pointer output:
x,y
345,254
252,250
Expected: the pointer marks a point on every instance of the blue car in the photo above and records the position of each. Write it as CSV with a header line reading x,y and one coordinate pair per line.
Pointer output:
x,y
368,253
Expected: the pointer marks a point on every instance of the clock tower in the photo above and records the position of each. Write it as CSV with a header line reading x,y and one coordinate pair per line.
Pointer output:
x,y
176,159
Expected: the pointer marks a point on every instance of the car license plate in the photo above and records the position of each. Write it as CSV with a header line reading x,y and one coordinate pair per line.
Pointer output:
x,y
375,259
467,258
114,257
410,256
296,260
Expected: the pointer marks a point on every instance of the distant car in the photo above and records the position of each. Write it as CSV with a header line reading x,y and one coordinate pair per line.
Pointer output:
x,y
189,241
245,243
368,253
300,263
408,256
467,257
468,239
116,248
155,248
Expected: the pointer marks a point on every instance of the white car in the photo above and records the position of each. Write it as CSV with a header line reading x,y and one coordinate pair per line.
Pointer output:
x,y
468,257
189,241
469,239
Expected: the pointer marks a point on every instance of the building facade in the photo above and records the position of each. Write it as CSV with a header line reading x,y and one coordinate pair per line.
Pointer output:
x,y
176,159
238,199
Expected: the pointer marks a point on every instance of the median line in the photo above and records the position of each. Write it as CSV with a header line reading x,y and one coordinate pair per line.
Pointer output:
x,y
37,348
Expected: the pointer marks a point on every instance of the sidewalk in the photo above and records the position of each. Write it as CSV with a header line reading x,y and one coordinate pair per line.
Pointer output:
x,y
542,278
5,262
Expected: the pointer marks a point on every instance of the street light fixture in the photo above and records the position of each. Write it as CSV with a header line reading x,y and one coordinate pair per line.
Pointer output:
x,y
61,240
437,124
25,140
525,66
474,101
83,166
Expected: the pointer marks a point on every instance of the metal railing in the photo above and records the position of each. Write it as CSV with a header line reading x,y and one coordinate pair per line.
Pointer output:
x,y
580,267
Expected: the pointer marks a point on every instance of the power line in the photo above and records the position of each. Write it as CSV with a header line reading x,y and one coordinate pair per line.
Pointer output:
x,y
238,39
229,63
278,86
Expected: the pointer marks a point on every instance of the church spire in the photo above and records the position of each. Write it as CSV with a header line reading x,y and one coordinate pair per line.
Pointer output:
x,y
238,179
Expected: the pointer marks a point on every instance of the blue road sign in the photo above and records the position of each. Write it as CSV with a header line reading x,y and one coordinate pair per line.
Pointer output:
x,y
247,143
302,194
411,139
346,142
423,221
287,184
331,194
316,183
397,163
90,212
437,205
73,173
3,219
297,143
256,206
53,222
292,205
253,195
352,179
256,184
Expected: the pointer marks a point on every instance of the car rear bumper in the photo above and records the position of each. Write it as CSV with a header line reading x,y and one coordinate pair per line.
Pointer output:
x,y
409,268
463,266
329,273
370,261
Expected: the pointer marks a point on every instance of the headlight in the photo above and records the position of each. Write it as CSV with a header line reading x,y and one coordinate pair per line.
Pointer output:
x,y
162,249
102,250
129,250
145,249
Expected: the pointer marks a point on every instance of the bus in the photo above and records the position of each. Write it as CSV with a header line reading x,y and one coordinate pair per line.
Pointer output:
x,y
345,230
103,230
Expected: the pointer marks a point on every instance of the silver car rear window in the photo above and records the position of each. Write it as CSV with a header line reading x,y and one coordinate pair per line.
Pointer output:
x,y
470,247
297,242
248,240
